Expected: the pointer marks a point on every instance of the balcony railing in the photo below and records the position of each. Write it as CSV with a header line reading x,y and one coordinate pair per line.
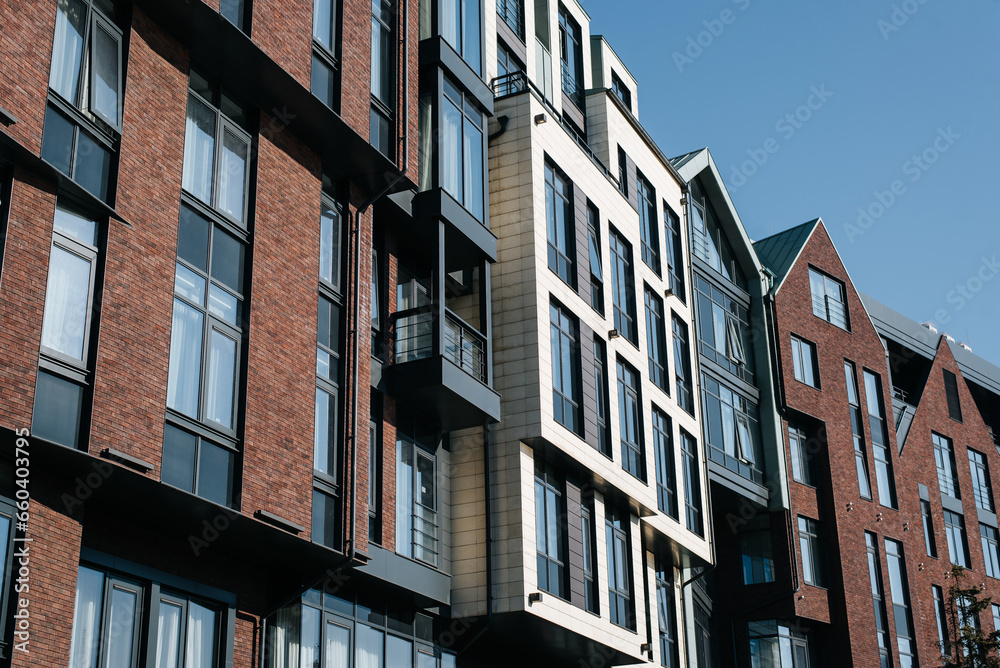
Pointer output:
x,y
739,466
570,86
831,310
510,84
512,13
413,333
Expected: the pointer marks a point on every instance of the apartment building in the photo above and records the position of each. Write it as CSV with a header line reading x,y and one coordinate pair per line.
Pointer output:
x,y
245,297
598,508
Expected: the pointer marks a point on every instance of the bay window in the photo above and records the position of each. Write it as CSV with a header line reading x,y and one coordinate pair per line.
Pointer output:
x,y
417,524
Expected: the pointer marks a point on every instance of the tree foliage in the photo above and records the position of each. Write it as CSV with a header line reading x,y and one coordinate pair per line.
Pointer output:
x,y
967,646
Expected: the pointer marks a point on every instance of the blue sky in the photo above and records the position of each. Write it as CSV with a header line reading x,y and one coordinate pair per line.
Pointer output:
x,y
837,110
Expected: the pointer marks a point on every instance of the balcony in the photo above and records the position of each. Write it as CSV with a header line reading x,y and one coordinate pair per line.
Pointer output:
x,y
509,84
511,12
570,87
443,371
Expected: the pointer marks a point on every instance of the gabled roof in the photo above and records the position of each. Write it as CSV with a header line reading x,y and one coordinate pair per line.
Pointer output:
x,y
780,251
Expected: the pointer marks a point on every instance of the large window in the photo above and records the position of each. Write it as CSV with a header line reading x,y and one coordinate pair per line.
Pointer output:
x,y
666,469
930,543
623,287
880,440
461,149
550,530
731,428
756,552
692,484
630,421
682,365
238,13
951,393
812,550
511,12
860,456
559,222
418,533
709,242
340,630
666,612
774,645
83,118
804,468
66,327
804,363
601,397
565,352
648,226
461,25
958,546
675,251
618,528
990,541
828,300
571,57
900,590
216,150
724,325
383,88
656,340
325,442
111,629
941,618
981,487
325,51
596,271
947,471
878,600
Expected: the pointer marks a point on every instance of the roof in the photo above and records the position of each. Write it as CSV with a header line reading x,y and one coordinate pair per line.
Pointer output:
x,y
779,252
680,160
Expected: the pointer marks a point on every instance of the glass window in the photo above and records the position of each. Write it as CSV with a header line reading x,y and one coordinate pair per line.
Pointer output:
x,y
571,57
878,600
951,392
197,465
512,13
682,364
58,408
930,543
238,13
900,594
596,271
208,298
702,636
7,564
804,362
990,541
589,532
623,172
69,292
958,546
880,440
981,487
724,324
804,467
630,421
216,151
860,456
461,150
550,534
325,43
675,251
460,25
731,428
601,397
656,342
941,618
330,245
77,153
828,300
617,527
383,75
328,375
756,554
417,525
565,369
709,242
621,91
623,287
560,224
811,549
666,470
666,612
692,483
648,226
944,459
774,645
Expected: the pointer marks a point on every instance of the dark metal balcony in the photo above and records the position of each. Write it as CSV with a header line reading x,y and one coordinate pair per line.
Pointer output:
x,y
441,371
512,13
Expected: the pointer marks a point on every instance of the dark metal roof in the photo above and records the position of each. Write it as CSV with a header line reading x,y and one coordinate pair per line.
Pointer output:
x,y
779,252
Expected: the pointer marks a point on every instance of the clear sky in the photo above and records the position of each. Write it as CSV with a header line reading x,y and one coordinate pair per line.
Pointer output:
x,y
819,109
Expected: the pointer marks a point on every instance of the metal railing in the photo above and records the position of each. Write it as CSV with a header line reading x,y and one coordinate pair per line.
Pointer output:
x,y
830,310
512,13
413,336
570,86
509,84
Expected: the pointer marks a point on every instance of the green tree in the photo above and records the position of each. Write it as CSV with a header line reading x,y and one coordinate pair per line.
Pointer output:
x,y
970,647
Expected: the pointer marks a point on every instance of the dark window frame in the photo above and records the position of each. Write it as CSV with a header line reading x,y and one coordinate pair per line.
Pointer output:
x,y
675,252
326,57
666,466
621,602
884,475
982,488
596,258
553,578
690,464
958,543
858,431
620,90
827,306
656,340
648,225
952,396
633,451
811,551
561,238
623,287
564,331
805,362
383,113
